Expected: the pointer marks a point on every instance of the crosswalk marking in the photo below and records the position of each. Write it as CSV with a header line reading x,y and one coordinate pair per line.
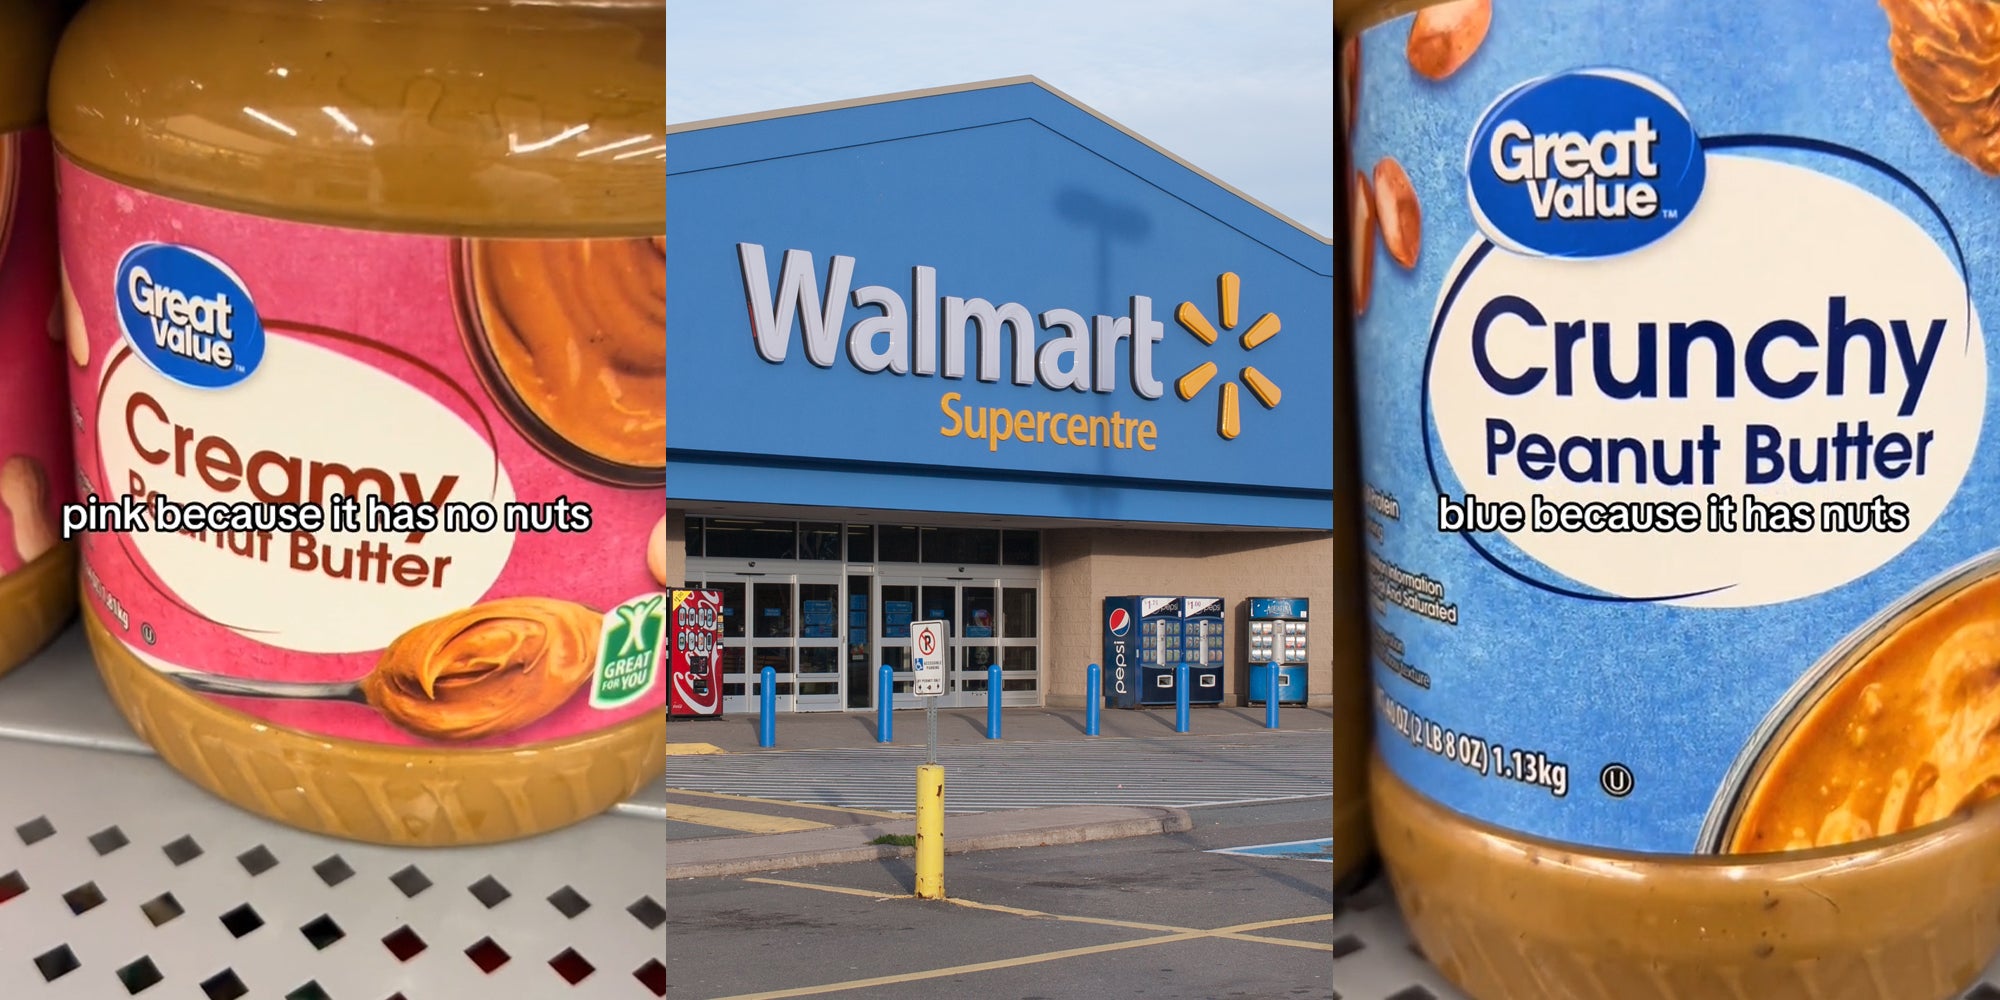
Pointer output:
x,y
1182,771
883,814
742,822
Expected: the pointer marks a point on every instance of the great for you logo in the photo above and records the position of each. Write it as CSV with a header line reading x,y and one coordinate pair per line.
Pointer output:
x,y
1056,350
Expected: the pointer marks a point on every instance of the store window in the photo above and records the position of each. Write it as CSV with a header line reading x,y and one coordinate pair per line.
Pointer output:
x,y
733,538
861,543
819,541
963,546
1020,548
896,544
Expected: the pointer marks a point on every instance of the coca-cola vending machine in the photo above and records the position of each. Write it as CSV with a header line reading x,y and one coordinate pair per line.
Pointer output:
x,y
694,654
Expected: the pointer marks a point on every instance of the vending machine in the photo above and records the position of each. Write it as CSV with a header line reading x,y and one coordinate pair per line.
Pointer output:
x,y
1142,642
694,654
1277,631
1202,649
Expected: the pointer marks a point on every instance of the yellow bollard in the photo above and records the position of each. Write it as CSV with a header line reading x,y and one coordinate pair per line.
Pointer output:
x,y
930,832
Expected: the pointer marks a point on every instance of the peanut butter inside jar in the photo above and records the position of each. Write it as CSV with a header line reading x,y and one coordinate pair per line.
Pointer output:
x,y
1861,859
39,597
152,94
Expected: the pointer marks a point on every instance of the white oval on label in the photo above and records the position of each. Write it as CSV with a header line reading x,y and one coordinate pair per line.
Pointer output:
x,y
1772,242
306,405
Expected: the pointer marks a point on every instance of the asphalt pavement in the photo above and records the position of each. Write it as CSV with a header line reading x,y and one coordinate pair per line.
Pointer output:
x,y
1155,916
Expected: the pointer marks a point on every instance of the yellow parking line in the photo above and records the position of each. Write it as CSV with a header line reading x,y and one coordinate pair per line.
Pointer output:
x,y
692,749
1019,912
1236,932
960,970
843,890
742,822
794,805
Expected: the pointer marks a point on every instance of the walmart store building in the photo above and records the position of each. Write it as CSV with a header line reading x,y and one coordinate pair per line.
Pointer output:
x,y
980,354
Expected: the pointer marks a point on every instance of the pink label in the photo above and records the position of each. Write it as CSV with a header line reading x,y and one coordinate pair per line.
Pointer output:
x,y
34,436
429,468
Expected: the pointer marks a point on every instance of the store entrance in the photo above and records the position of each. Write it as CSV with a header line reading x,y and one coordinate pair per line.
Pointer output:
x,y
788,621
988,620
826,604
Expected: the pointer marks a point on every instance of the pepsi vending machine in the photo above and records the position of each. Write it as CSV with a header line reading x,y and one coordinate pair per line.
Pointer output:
x,y
1142,642
1202,649
694,654
1277,630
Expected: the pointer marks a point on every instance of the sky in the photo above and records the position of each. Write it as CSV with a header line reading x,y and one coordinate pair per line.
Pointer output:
x,y
1244,93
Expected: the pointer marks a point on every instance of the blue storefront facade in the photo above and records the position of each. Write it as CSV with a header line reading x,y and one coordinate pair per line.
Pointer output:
x,y
982,354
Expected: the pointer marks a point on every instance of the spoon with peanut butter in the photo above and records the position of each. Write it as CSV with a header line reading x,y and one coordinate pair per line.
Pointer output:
x,y
483,671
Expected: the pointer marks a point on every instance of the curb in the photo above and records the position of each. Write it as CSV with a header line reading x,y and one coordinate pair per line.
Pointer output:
x,y
855,844
693,749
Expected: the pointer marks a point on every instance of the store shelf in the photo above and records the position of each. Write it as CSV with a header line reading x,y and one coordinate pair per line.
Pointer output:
x,y
1374,958
121,872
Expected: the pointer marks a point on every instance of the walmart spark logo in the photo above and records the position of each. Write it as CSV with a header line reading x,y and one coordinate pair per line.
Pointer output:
x,y
1228,421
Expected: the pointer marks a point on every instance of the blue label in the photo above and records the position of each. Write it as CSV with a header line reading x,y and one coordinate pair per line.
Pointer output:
x,y
1277,607
1589,163
1683,525
188,315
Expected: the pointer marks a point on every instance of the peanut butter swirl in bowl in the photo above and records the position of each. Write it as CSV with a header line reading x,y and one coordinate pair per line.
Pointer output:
x,y
1896,729
487,670
570,337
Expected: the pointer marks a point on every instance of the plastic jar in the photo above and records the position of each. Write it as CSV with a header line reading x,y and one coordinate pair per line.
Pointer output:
x,y
1672,393
37,568
373,291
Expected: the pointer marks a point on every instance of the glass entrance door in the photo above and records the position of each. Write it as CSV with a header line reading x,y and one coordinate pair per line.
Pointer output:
x,y
819,675
788,621
981,628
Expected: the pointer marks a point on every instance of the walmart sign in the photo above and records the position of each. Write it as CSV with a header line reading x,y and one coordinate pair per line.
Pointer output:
x,y
989,301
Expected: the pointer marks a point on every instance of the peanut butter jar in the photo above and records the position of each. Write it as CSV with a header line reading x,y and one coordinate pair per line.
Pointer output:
x,y
37,567
366,342
1673,389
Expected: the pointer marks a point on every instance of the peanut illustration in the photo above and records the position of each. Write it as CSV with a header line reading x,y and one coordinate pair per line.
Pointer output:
x,y
1443,36
1350,81
77,335
656,552
1397,214
1944,52
1362,261
24,491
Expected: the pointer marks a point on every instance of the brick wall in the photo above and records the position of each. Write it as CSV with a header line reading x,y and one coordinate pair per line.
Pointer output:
x,y
676,547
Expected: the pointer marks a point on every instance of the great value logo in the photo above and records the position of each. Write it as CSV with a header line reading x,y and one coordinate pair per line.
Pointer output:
x,y
1588,163
188,315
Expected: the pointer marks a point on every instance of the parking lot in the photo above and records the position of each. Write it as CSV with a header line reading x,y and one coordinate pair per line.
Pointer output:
x,y
1157,917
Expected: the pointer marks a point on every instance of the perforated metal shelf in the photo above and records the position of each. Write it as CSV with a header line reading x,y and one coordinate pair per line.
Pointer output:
x,y
1374,958
119,878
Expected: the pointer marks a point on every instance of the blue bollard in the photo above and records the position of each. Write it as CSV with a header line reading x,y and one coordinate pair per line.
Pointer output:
x,y
1093,698
767,708
885,701
993,702
1180,697
1271,698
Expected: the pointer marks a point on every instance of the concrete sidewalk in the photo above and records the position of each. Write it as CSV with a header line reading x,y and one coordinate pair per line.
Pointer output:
x,y
700,851
839,730
982,832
